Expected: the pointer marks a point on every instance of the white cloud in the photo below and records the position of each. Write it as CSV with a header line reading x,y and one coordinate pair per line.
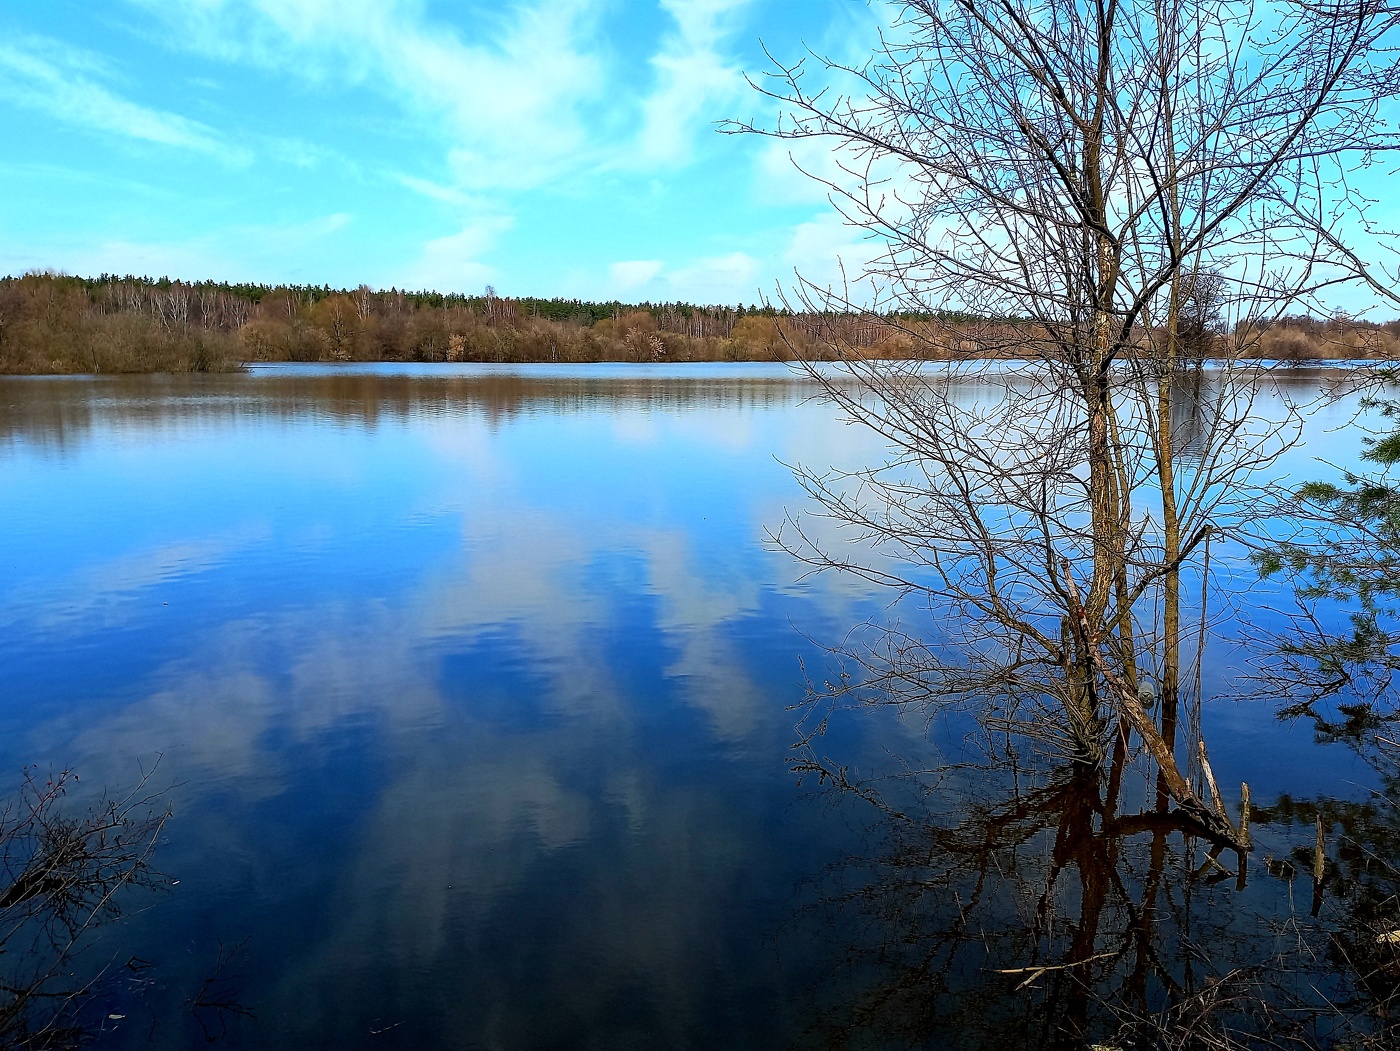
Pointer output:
x,y
302,154
526,98
52,78
731,278
452,263
510,97
796,171
192,260
725,279
253,252
829,253
691,77
436,191
507,101
633,274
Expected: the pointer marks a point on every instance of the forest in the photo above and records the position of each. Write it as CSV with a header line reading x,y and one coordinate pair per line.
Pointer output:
x,y
54,323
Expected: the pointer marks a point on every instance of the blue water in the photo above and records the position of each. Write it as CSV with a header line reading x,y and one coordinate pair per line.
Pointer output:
x,y
471,688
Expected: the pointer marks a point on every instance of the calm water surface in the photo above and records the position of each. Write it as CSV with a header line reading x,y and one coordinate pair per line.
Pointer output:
x,y
473,687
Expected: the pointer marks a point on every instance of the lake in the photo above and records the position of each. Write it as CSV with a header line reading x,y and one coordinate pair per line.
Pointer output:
x,y
471,689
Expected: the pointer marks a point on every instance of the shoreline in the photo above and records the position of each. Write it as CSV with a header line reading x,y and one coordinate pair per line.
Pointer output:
x,y
389,365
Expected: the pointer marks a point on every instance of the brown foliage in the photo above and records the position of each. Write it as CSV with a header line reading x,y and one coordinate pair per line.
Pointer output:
x,y
51,323
1302,339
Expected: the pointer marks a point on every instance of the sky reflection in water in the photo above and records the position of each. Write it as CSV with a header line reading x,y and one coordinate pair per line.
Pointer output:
x,y
474,683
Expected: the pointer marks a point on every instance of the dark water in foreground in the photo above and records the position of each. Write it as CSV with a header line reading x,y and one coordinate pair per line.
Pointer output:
x,y
472,687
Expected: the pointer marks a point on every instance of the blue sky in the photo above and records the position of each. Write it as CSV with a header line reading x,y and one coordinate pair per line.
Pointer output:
x,y
546,147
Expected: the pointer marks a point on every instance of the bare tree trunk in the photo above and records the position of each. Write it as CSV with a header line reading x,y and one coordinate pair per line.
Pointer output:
x,y
1170,674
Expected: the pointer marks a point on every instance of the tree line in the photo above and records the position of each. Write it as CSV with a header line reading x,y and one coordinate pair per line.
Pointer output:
x,y
56,323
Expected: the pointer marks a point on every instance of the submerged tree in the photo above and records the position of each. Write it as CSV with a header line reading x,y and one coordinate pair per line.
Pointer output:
x,y
62,876
1118,190
994,917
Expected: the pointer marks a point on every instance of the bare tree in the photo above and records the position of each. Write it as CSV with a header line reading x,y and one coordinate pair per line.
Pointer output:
x,y
1108,189
1076,923
61,876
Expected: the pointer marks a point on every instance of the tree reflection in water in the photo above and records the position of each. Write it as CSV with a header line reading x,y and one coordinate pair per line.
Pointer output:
x,y
1001,908
1085,882
66,871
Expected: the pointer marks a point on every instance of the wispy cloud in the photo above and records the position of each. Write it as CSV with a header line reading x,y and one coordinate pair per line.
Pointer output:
x,y
527,98
64,83
827,252
731,278
506,103
436,191
632,274
453,263
465,138
692,77
515,98
246,252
